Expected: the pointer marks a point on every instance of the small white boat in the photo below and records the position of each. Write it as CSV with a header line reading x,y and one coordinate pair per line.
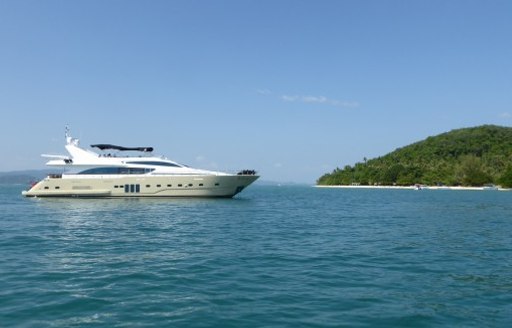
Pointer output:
x,y
418,187
490,187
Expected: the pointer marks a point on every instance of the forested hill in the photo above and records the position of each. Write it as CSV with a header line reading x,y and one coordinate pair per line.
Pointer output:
x,y
466,157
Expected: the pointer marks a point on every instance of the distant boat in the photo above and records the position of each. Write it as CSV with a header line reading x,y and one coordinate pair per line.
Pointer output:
x,y
114,174
490,186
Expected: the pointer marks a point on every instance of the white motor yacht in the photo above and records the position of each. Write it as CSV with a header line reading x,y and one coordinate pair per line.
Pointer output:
x,y
113,173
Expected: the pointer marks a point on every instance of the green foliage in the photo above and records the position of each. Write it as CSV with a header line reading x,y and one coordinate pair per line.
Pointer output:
x,y
468,157
506,178
472,172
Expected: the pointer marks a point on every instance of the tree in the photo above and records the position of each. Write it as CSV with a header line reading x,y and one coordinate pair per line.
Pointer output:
x,y
472,172
506,178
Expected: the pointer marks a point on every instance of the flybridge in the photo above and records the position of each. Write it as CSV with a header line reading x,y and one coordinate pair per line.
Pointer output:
x,y
121,148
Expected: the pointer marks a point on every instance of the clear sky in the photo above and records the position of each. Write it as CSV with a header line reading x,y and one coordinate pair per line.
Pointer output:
x,y
292,89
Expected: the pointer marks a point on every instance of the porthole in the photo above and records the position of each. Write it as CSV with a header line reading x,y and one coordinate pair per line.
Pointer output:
x,y
200,185
169,185
158,186
180,185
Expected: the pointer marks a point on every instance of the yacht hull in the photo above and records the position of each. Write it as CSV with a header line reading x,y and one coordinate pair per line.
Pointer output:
x,y
141,186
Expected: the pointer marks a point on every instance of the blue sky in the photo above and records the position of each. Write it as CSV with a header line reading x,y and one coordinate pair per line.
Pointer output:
x,y
292,89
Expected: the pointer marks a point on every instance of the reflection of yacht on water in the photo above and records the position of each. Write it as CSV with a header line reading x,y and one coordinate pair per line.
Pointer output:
x,y
115,174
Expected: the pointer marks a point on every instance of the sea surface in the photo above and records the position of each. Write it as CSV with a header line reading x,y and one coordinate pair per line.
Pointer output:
x,y
289,256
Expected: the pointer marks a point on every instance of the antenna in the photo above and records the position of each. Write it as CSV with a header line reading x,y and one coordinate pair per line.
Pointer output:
x,y
70,140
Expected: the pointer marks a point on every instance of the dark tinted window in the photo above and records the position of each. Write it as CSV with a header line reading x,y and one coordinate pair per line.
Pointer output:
x,y
154,163
117,170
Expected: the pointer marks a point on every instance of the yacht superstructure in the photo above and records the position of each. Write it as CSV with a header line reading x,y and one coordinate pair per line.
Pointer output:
x,y
112,173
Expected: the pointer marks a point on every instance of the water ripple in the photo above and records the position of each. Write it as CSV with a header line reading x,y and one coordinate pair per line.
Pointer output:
x,y
289,256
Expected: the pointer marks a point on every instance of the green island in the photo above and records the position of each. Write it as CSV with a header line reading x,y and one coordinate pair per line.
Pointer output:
x,y
469,157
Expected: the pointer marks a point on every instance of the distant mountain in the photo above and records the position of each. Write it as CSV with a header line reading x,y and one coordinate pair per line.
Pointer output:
x,y
26,176
468,157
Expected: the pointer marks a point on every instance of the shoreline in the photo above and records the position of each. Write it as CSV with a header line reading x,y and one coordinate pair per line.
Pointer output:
x,y
414,187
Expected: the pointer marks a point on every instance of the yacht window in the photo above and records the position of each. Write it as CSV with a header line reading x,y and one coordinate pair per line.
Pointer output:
x,y
131,188
190,185
169,185
156,163
158,186
180,185
217,184
117,170
200,185
147,186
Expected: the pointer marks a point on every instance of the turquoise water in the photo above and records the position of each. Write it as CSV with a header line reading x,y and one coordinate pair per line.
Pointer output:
x,y
273,256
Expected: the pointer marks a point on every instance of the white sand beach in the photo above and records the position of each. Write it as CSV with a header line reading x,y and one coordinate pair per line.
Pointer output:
x,y
421,187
